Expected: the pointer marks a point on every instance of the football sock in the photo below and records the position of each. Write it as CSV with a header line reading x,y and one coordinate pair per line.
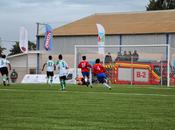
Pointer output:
x,y
51,80
64,83
47,80
7,79
4,80
106,85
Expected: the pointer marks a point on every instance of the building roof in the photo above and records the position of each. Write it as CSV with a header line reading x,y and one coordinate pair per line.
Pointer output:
x,y
23,54
121,23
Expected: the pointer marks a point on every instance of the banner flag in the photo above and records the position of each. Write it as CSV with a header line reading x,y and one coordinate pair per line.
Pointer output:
x,y
101,39
23,40
48,38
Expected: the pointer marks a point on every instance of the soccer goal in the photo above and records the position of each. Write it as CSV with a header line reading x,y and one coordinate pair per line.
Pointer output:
x,y
130,64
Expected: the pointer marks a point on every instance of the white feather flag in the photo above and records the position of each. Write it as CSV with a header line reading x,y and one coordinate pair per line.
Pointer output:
x,y
101,38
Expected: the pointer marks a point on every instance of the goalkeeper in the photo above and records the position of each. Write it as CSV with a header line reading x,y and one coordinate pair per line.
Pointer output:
x,y
84,66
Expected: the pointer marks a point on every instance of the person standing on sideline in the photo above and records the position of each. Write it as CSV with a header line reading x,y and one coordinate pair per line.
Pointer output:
x,y
85,66
108,58
135,56
99,71
13,76
62,70
4,67
50,69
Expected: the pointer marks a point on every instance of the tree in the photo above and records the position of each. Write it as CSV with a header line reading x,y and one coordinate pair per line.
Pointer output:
x,y
16,49
160,5
32,46
1,50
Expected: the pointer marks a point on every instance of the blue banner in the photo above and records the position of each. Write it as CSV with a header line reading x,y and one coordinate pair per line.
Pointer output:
x,y
48,38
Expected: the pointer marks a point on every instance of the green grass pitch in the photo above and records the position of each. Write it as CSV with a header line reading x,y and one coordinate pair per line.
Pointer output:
x,y
125,107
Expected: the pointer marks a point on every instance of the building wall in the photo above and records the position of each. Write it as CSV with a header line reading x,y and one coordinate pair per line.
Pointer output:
x,y
65,45
19,63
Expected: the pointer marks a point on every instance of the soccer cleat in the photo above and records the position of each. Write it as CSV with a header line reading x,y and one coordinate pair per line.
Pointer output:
x,y
87,84
4,83
62,89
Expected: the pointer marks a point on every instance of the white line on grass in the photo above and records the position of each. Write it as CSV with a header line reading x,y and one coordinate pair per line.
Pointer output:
x,y
155,87
134,94
109,93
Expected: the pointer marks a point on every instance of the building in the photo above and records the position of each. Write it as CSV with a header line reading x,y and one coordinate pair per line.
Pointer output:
x,y
153,27
130,28
24,63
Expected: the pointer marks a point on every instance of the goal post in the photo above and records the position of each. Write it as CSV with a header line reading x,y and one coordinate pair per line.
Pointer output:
x,y
157,52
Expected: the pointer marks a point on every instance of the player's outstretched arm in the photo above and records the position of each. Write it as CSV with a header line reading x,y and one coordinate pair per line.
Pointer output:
x,y
9,66
43,66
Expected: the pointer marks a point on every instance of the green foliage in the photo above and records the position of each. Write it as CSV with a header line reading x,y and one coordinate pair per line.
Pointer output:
x,y
32,46
40,107
1,50
160,5
16,49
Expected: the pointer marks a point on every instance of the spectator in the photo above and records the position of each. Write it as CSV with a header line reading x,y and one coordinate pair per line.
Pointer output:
x,y
135,56
129,56
13,76
108,58
119,56
125,56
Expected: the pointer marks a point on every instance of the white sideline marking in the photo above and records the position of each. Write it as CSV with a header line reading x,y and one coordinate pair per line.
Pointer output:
x,y
134,94
154,87
59,91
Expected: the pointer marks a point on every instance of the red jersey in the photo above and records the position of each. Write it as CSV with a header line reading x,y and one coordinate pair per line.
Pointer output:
x,y
84,65
98,68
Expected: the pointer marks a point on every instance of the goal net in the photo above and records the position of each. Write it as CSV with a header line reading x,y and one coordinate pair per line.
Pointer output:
x,y
130,64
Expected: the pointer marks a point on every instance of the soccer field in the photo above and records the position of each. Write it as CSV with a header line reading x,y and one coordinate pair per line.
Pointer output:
x,y
125,107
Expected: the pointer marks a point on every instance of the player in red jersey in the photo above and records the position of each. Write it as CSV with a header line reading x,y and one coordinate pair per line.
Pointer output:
x,y
99,71
85,66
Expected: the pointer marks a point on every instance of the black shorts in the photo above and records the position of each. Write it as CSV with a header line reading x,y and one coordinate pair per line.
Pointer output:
x,y
50,74
63,78
4,71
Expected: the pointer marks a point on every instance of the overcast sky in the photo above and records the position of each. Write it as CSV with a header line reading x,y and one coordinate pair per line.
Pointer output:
x,y
16,13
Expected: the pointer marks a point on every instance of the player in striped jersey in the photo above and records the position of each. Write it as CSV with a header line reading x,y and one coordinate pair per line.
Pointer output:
x,y
50,69
4,65
62,70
